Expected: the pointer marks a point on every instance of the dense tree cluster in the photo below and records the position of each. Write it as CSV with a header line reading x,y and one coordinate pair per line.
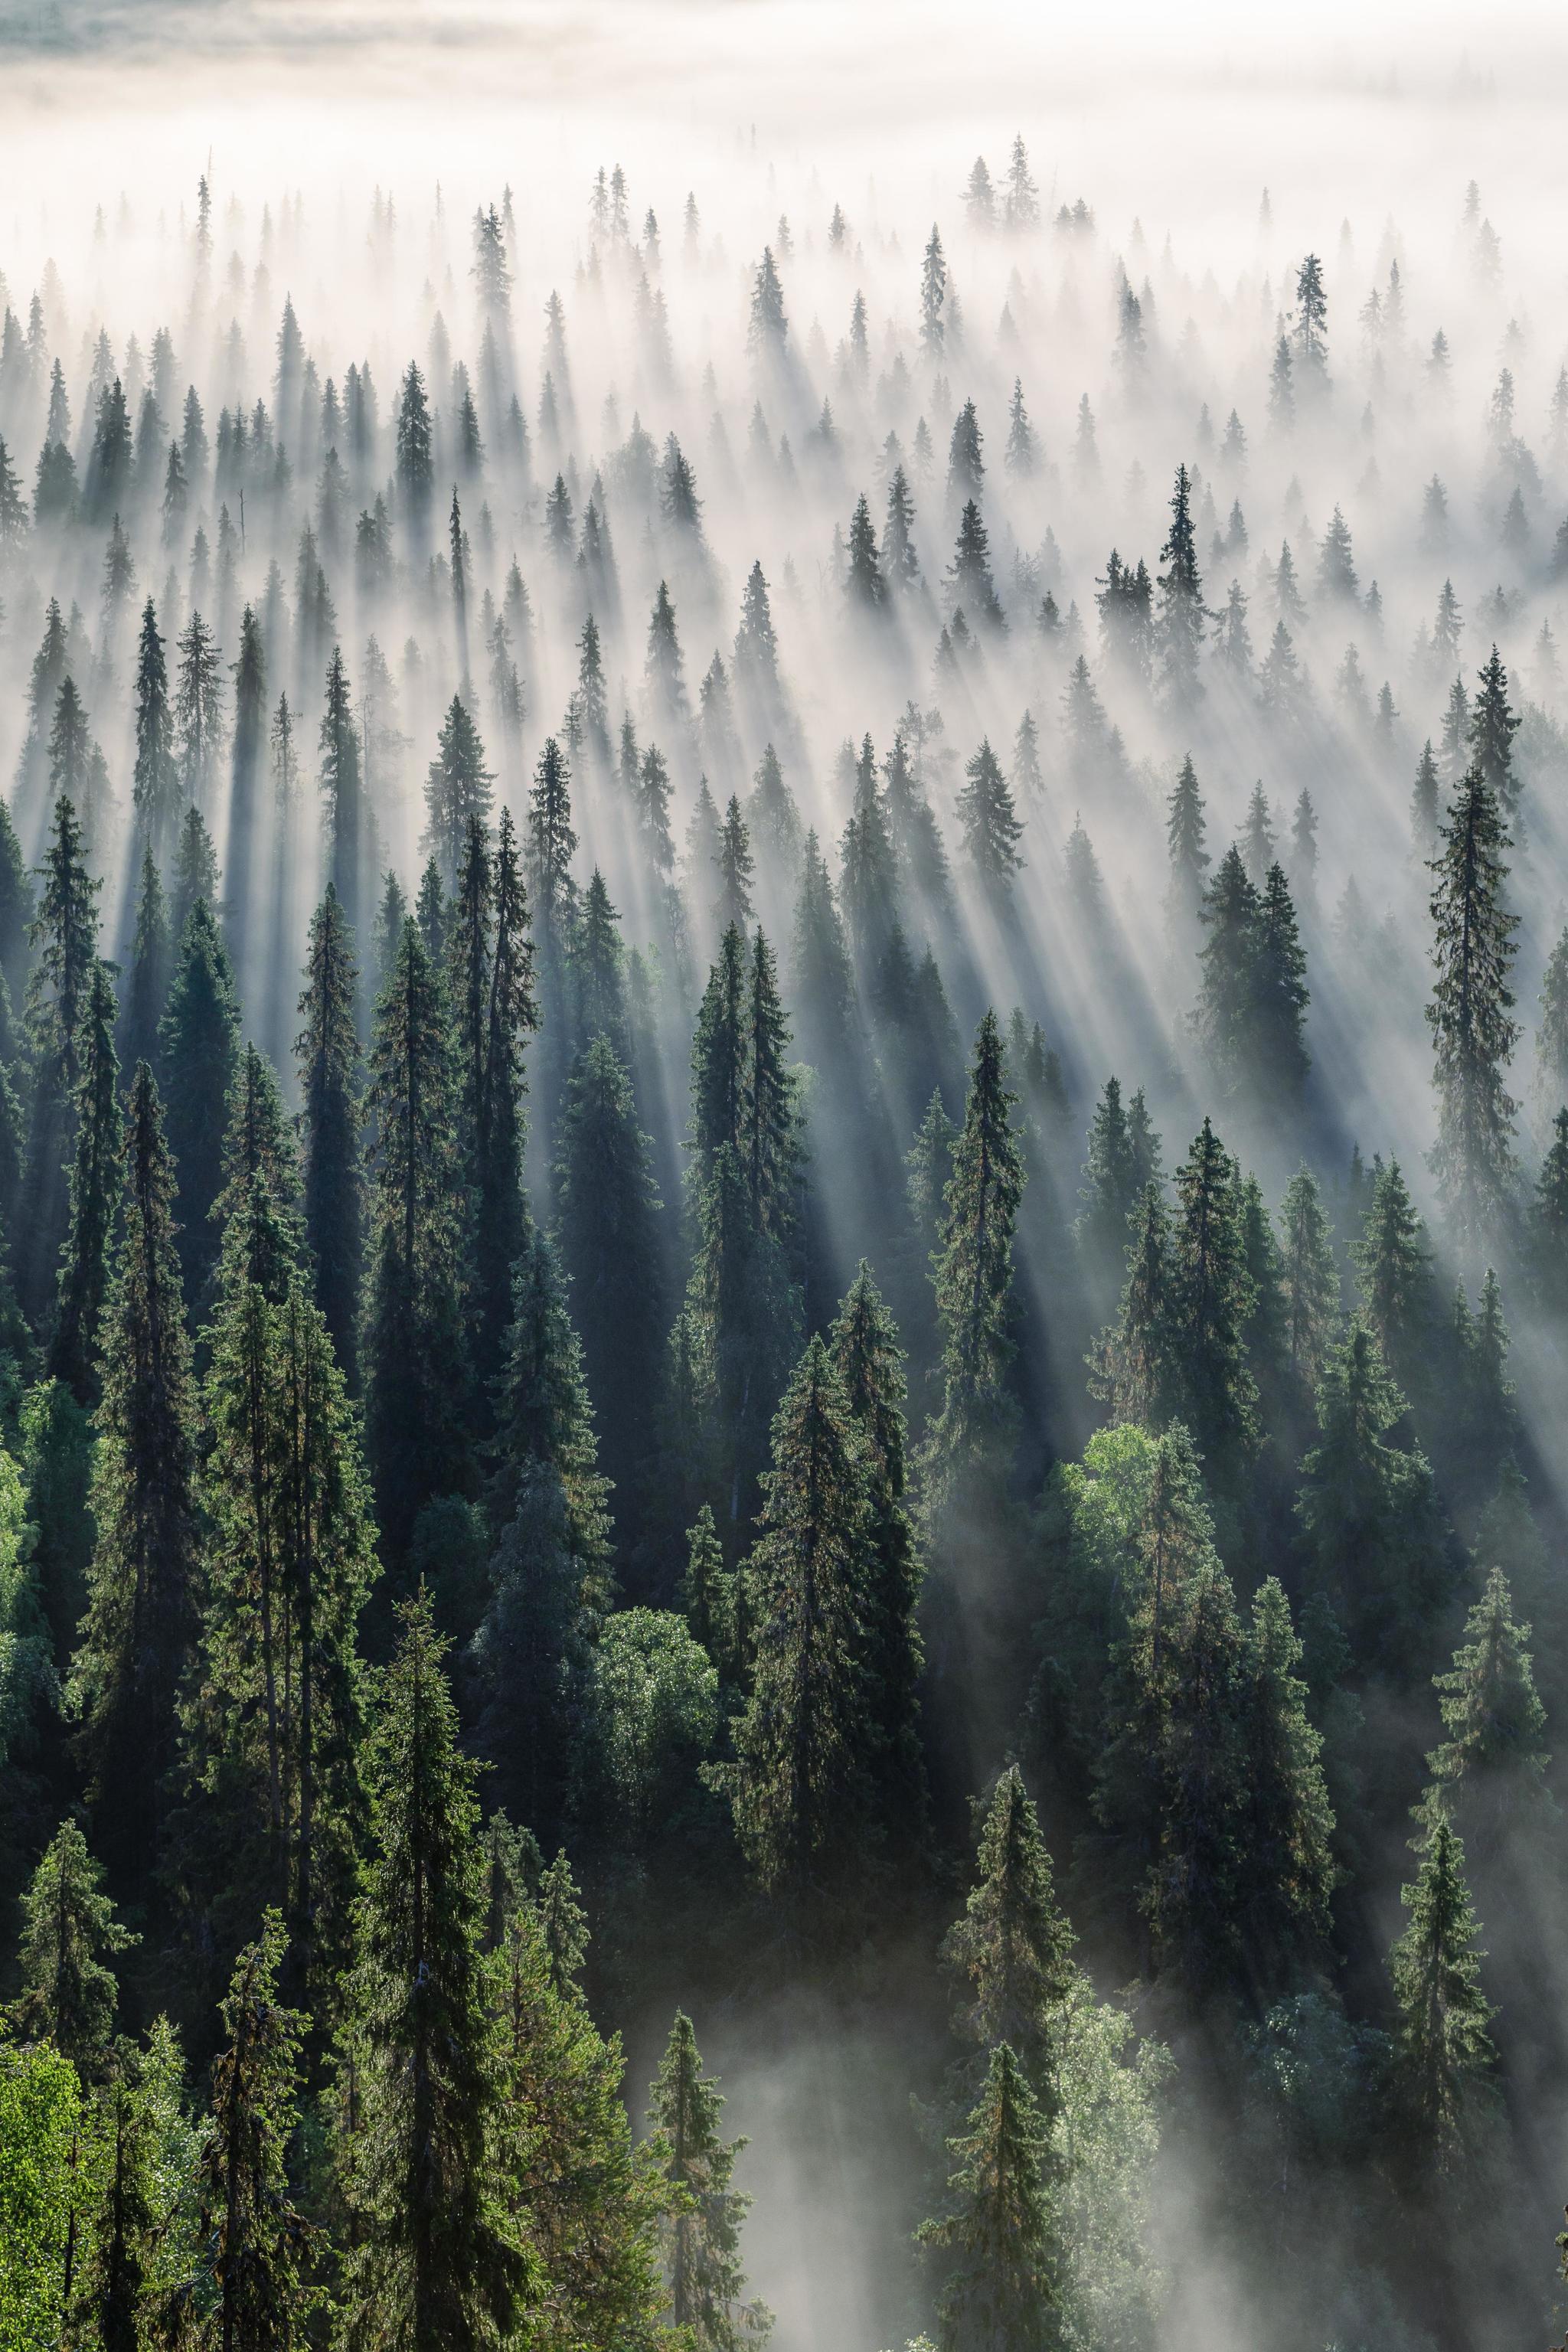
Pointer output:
x,y
637,1286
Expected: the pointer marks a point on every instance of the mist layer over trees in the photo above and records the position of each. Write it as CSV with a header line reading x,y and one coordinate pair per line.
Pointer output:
x,y
783,1182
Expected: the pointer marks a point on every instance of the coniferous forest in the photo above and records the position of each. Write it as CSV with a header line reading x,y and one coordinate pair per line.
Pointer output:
x,y
783,1213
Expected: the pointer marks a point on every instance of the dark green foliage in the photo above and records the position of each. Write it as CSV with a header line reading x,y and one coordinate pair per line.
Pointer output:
x,y
1001,2284
413,1353
200,1037
94,1197
1470,1015
1011,1953
140,1627
434,2257
327,1053
68,1930
64,937
1444,2053
702,2234
973,1274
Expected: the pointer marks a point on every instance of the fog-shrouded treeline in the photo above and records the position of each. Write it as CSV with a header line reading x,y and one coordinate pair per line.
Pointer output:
x,y
784,1168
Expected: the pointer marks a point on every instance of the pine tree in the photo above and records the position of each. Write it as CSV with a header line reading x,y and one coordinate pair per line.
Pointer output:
x,y
1443,2051
94,1196
1229,912
702,2233
415,1362
798,1787
327,1054
198,711
1394,1268
199,1034
866,586
1001,2289
1011,1953
262,2246
970,570
973,1274
1470,1015
433,2260
249,741
1279,994
1189,860
137,1634
68,1930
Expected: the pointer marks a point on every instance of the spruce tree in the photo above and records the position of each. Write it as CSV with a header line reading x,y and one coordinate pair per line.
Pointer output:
x,y
137,1634
147,990
702,2233
865,1344
1011,1953
456,791
327,1055
1001,2288
1393,1269
64,937
94,1196
342,788
415,1361
1444,2055
991,829
799,1786
609,1220
262,2247
199,1034
1309,1276
156,785
1288,1871
433,2260
973,1274
1471,1013
1491,1765
68,1930
1493,726
1209,1300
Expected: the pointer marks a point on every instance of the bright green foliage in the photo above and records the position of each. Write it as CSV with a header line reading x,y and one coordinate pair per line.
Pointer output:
x,y
261,2245
1001,2289
1370,1533
94,1197
1011,1953
655,1700
415,1361
327,1052
702,2233
137,1634
1443,2052
43,2188
68,1929
434,2259
973,1273
799,1786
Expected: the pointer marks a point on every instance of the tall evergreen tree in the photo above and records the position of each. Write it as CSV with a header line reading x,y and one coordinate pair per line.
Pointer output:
x,y
1011,1953
68,1930
974,1272
140,1626
327,1054
1444,2052
95,1185
415,1361
200,1037
1001,2289
702,2233
1471,1013
433,2258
